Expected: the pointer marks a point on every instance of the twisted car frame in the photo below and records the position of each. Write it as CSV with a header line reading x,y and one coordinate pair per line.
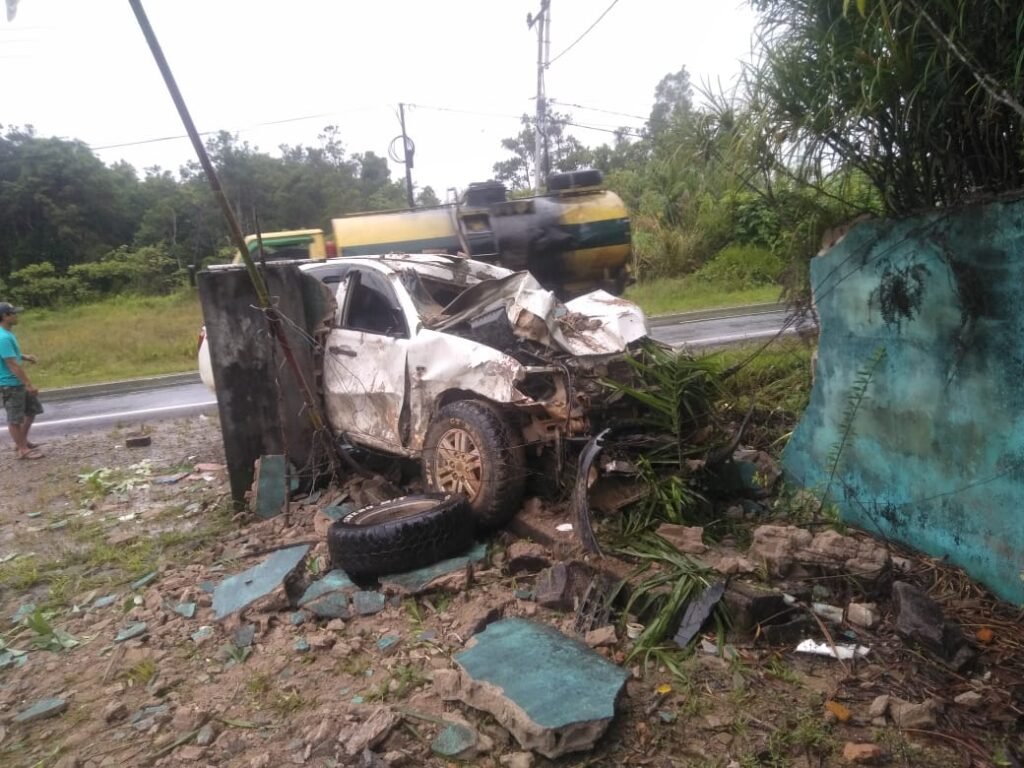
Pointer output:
x,y
478,372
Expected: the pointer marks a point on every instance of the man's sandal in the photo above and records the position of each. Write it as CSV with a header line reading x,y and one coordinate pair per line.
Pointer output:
x,y
31,454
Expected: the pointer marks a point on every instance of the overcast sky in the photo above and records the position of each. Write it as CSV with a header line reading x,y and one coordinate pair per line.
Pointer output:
x,y
79,69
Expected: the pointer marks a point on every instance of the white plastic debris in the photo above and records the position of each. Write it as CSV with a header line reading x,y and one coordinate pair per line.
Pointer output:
x,y
564,527
831,612
845,652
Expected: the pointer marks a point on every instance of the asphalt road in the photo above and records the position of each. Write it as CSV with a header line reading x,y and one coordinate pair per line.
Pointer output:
x,y
98,408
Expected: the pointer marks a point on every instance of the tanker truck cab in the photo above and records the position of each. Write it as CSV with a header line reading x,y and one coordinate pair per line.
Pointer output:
x,y
288,244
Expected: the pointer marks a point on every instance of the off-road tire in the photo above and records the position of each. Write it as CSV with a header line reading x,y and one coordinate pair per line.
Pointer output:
x,y
503,465
401,534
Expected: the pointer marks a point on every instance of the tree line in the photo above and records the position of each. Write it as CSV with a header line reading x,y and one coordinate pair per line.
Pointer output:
x,y
850,107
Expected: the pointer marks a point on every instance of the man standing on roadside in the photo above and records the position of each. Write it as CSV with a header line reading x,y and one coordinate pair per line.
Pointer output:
x,y
20,397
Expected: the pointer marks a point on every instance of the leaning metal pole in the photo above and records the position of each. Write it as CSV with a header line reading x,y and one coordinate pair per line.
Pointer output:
x,y
262,294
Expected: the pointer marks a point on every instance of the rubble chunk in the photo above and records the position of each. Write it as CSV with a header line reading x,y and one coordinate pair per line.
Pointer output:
x,y
526,557
552,693
559,586
517,760
919,619
864,754
969,699
909,715
423,579
687,539
270,485
601,637
749,606
371,732
41,710
864,615
329,598
455,741
242,589
790,551
131,631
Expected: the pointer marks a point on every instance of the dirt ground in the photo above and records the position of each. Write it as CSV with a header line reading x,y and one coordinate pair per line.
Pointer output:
x,y
95,516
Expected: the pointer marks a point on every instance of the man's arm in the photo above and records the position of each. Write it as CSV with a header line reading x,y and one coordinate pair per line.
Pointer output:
x,y
19,372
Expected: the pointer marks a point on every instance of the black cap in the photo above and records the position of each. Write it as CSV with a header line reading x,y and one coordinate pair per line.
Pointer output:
x,y
8,309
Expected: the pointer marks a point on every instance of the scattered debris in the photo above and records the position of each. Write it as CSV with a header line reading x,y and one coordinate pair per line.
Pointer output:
x,y
788,551
580,503
560,699
841,652
41,710
144,581
864,754
969,699
864,615
269,485
526,557
371,732
908,715
429,577
919,619
698,611
243,589
455,742
137,440
131,631
601,637
687,539
561,585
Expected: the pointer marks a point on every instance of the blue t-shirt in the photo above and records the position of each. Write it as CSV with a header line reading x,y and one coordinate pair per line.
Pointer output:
x,y
8,348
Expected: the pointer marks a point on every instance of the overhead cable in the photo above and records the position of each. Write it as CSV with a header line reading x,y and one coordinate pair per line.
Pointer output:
x,y
585,33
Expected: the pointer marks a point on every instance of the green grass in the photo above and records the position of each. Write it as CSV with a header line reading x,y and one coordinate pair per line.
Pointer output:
x,y
685,294
120,338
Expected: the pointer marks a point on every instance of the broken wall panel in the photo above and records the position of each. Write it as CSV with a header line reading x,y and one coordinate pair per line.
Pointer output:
x,y
923,317
260,403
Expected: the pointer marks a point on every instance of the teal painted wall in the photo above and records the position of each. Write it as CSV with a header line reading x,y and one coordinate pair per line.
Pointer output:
x,y
935,459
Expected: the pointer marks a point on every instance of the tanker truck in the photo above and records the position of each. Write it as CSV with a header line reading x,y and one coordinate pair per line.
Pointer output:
x,y
574,239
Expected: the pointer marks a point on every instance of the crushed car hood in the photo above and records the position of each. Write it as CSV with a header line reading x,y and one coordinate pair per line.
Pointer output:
x,y
515,308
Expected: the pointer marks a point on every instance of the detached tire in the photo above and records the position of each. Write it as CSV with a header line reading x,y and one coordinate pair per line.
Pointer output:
x,y
401,534
471,449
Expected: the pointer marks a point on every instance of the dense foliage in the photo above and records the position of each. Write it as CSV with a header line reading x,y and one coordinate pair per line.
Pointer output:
x,y
73,229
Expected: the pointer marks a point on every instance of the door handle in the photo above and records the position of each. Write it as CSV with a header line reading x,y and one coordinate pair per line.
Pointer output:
x,y
346,351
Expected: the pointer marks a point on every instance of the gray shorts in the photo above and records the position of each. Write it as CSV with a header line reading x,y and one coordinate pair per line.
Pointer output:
x,y
19,403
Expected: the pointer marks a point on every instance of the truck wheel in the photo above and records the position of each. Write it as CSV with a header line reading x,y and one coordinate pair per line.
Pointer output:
x,y
471,449
401,534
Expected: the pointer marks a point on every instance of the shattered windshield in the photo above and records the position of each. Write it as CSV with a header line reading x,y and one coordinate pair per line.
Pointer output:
x,y
430,295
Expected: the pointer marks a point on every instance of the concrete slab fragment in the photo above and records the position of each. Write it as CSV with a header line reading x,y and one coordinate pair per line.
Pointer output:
x,y
188,610
240,590
271,486
420,580
367,603
145,581
553,693
130,632
41,710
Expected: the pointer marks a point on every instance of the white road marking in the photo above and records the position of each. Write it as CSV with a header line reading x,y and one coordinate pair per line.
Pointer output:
x,y
738,336
122,414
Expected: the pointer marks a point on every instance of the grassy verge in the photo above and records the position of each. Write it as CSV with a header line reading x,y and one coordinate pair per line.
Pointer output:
x,y
684,294
120,338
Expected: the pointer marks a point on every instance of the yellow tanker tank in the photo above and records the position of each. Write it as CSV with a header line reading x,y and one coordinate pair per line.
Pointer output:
x,y
574,239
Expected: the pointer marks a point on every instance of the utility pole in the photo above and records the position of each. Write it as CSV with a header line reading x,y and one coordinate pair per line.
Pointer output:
x,y
408,157
543,22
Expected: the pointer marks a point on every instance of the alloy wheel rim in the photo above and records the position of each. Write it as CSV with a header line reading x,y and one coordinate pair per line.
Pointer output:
x,y
458,464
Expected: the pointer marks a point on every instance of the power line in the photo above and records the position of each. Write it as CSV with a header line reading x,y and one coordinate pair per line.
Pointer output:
x,y
597,109
585,33
212,132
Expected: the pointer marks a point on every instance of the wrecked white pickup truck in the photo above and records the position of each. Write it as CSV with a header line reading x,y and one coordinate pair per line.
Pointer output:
x,y
475,370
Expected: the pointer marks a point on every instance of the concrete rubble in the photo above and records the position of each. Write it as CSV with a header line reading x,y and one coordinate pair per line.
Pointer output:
x,y
559,699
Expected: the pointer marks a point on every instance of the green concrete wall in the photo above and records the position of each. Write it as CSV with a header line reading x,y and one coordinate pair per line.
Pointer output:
x,y
934,457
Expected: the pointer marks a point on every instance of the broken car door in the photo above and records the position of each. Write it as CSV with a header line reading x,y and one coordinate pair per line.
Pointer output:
x,y
364,362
